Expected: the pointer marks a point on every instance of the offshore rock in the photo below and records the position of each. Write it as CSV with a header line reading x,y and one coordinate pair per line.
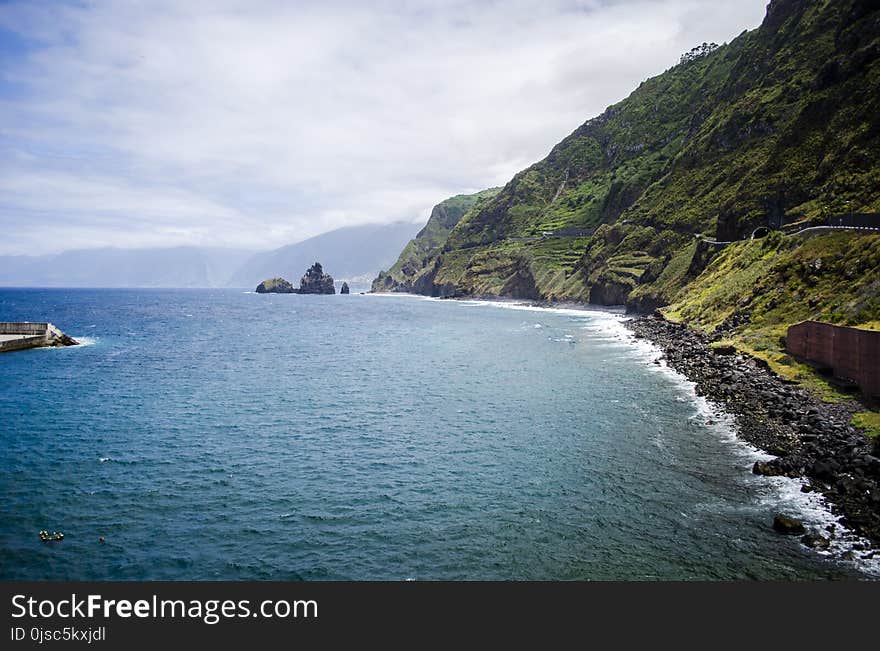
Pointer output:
x,y
275,286
344,289
316,281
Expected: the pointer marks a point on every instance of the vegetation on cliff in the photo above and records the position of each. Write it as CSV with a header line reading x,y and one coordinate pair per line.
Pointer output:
x,y
275,285
414,260
752,291
778,127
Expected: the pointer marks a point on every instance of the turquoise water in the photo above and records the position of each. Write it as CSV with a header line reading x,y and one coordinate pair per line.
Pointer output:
x,y
217,434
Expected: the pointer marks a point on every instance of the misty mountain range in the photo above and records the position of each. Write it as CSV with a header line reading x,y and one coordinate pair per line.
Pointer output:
x,y
350,253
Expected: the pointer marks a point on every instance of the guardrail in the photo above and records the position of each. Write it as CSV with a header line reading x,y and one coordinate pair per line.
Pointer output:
x,y
23,328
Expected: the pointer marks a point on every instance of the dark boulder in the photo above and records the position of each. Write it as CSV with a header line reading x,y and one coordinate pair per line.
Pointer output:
x,y
816,541
767,469
67,340
826,470
787,525
344,289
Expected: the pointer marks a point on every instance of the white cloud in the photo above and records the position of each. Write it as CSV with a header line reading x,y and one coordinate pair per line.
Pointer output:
x,y
259,123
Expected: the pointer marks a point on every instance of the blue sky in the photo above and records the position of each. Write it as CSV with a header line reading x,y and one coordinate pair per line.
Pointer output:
x,y
256,124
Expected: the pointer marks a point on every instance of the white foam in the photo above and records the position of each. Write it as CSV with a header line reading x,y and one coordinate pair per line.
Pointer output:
x,y
784,493
401,295
608,327
529,307
81,341
814,511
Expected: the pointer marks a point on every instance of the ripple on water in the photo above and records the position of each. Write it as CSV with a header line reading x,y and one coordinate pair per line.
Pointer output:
x,y
371,439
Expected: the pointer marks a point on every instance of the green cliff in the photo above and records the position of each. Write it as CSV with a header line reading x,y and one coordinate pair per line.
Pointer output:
x,y
778,127
408,274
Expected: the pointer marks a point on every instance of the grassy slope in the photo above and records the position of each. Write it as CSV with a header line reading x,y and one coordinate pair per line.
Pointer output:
x,y
415,256
754,290
780,123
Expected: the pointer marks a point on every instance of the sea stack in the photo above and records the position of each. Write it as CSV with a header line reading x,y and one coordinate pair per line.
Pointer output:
x,y
344,288
316,281
275,286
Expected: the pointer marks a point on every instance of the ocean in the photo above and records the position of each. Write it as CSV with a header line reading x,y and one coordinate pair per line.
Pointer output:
x,y
221,434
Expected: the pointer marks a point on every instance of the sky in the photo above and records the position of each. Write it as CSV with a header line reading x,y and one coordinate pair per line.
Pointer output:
x,y
259,123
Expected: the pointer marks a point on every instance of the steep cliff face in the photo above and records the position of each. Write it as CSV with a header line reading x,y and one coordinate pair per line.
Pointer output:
x,y
417,258
777,128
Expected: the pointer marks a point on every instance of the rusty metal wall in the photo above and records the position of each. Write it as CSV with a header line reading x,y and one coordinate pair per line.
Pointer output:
x,y
850,353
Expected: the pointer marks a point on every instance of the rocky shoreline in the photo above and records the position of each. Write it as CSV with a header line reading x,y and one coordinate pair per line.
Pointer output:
x,y
811,440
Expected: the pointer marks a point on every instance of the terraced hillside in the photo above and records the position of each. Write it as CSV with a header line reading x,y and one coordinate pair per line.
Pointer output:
x,y
778,127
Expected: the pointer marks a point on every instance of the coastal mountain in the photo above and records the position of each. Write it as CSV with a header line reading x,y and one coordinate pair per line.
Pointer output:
x,y
351,252
412,264
358,252
184,266
776,131
778,127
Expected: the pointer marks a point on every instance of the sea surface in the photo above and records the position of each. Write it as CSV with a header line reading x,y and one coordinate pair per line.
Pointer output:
x,y
221,434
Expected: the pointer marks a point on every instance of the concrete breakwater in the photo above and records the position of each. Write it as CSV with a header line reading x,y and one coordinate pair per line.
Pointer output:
x,y
20,335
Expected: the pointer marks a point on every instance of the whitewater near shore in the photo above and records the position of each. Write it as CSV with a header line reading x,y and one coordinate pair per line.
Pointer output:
x,y
838,521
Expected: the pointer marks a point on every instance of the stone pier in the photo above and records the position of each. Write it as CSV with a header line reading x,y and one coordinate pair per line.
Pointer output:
x,y
20,335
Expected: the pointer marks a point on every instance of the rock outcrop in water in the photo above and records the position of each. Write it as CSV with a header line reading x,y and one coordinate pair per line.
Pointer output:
x,y
276,285
64,340
788,525
344,289
316,281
